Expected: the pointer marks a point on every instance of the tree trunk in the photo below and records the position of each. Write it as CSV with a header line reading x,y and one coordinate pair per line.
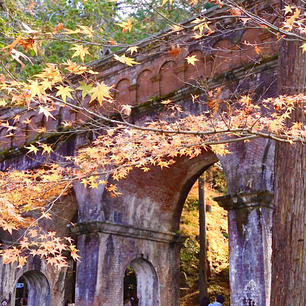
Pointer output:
x,y
203,244
289,220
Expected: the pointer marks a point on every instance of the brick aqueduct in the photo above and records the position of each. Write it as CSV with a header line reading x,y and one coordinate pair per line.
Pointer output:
x,y
139,227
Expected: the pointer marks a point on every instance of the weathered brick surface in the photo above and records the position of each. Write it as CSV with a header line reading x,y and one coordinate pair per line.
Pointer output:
x,y
153,201
116,253
250,241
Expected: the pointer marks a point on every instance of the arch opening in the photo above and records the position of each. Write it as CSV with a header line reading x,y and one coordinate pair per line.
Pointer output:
x,y
141,284
130,286
32,289
204,254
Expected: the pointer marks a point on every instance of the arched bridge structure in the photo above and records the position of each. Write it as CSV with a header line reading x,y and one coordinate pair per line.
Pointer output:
x,y
140,227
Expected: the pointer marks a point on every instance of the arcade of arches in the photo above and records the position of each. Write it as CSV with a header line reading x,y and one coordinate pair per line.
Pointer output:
x,y
139,229
32,289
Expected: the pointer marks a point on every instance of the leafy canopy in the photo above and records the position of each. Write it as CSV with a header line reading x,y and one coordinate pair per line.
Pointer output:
x,y
47,49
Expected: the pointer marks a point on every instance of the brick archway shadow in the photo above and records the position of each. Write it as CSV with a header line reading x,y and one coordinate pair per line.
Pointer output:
x,y
147,282
38,288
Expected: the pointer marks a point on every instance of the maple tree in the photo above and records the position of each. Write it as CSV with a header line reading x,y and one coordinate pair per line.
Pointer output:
x,y
121,146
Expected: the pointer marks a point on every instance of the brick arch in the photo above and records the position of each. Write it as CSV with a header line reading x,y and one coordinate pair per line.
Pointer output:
x,y
170,77
227,56
146,86
123,92
155,199
253,37
147,282
150,207
37,286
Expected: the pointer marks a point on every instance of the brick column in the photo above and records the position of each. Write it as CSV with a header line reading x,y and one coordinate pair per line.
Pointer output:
x,y
87,269
107,249
250,246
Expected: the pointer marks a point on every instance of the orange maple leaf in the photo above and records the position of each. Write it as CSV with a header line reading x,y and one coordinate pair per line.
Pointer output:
x,y
175,50
126,25
27,43
59,27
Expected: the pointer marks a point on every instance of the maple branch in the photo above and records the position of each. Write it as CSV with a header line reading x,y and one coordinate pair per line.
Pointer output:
x,y
187,132
50,206
264,22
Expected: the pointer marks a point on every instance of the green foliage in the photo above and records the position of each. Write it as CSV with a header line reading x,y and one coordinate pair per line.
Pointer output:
x,y
191,204
150,17
130,283
17,18
190,262
20,17
215,177
30,70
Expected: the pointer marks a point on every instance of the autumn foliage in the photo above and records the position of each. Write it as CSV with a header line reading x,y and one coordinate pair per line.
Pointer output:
x,y
120,146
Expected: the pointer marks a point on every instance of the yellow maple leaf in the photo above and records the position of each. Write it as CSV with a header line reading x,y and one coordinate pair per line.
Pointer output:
x,y
126,25
201,25
257,50
36,89
93,182
74,67
21,261
191,59
69,31
177,28
303,46
194,97
113,190
67,124
8,126
89,31
290,21
27,121
46,215
46,111
8,227
80,51
100,92
64,92
85,182
32,148
220,149
41,130
125,60
165,1
46,84
132,49
46,148
33,233
197,36
126,109
165,102
51,72
288,9
74,251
